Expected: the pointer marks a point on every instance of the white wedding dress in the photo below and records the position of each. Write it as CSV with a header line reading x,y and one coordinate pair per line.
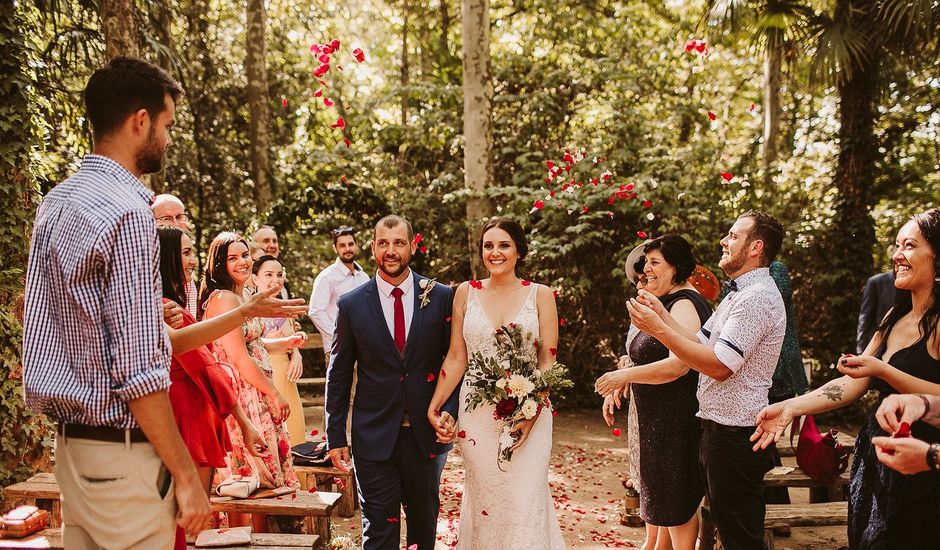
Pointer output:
x,y
512,509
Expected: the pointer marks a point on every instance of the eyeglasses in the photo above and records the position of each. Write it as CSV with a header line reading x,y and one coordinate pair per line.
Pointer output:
x,y
343,230
179,218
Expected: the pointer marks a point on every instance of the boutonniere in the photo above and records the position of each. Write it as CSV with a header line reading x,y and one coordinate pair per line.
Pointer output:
x,y
426,286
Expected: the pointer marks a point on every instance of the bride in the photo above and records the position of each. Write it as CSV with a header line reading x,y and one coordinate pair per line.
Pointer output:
x,y
508,505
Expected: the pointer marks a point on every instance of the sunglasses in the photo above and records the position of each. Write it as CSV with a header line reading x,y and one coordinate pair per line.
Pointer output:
x,y
343,230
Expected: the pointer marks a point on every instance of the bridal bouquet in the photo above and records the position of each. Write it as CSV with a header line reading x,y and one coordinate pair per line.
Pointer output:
x,y
512,382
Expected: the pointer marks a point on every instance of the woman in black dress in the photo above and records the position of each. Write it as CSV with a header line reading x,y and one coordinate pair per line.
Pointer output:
x,y
887,510
671,487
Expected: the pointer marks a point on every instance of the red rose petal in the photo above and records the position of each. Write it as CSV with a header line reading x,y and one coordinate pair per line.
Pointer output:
x,y
432,456
462,434
616,432
562,321
430,377
727,176
642,234
423,249
312,490
393,520
318,93
321,70
554,351
314,432
539,204
418,238
284,102
328,102
712,116
448,319
700,46
751,108
325,58
327,49
484,513
357,53
348,143
340,123
526,282
335,44
345,180
647,203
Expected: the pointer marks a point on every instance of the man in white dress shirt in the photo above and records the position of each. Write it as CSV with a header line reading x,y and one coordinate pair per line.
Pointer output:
x,y
340,277
735,353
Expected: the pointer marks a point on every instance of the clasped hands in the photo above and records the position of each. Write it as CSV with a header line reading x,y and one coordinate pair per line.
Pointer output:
x,y
906,455
445,426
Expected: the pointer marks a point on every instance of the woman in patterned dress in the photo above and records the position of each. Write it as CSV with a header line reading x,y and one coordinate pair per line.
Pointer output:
x,y
227,270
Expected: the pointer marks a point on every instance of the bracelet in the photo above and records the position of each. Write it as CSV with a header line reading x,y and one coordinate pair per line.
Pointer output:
x,y
932,453
926,406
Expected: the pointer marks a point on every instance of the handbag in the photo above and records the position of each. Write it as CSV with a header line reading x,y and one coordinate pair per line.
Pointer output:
x,y
23,521
237,486
311,454
820,456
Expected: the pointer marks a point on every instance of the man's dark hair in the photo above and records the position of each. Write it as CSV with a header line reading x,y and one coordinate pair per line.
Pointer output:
x,y
767,230
122,87
677,252
341,231
391,221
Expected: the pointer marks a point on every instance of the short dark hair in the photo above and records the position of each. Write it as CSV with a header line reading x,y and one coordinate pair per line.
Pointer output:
x,y
677,252
122,87
516,233
393,220
341,231
171,264
767,230
256,266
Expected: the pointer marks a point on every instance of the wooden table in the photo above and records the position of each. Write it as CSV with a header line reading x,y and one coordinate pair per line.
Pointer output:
x,y
346,485
315,507
52,539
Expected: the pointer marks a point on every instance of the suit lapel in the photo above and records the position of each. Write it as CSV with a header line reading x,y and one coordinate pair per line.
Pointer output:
x,y
417,317
375,306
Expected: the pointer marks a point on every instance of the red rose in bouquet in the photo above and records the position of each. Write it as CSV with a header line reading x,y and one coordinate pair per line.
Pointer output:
x,y
505,408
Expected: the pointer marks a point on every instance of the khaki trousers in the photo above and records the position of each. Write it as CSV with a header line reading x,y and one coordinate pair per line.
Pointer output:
x,y
114,495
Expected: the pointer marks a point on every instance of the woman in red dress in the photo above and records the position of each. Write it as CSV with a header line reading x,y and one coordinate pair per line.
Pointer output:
x,y
201,389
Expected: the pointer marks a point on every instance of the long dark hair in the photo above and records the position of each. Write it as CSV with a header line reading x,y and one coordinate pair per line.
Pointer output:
x,y
216,276
516,233
171,264
929,224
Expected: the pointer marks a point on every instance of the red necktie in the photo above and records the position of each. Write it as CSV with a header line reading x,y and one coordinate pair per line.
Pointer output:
x,y
399,319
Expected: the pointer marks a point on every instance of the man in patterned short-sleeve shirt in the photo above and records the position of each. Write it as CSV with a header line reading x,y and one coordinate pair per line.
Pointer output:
x,y
735,353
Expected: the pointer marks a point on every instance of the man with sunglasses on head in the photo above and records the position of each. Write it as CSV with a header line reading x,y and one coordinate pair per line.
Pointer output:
x,y
339,278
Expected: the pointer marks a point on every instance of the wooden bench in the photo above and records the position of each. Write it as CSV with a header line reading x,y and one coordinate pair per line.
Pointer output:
x,y
818,492
846,440
52,538
315,382
780,515
343,482
315,507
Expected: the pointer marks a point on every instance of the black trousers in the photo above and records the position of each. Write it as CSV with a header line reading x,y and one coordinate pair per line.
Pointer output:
x,y
409,479
734,481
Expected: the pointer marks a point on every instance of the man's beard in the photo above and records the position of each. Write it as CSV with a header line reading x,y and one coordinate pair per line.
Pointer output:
x,y
733,264
402,266
150,156
348,259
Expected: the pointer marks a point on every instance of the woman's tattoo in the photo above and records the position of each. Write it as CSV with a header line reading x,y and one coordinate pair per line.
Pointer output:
x,y
833,392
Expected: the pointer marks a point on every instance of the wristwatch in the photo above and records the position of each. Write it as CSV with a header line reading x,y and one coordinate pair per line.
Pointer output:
x,y
933,457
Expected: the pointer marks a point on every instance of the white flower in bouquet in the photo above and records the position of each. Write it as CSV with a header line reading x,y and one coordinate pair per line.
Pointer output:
x,y
506,440
501,383
520,385
529,409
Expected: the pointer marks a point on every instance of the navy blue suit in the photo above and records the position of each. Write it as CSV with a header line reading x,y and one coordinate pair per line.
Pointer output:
x,y
395,466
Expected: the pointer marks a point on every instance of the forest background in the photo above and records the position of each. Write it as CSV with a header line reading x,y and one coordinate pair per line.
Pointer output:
x,y
824,113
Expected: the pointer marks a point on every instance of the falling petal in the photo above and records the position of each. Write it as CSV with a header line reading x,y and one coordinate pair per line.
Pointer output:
x,y
727,176
328,102
284,102
418,238
327,49
539,205
347,142
318,93
423,249
335,44
357,53
340,123
314,432
647,203
462,434
642,234
712,116
616,432
324,58
345,180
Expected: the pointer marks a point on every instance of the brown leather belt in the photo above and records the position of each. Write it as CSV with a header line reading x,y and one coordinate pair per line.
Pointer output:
x,y
100,433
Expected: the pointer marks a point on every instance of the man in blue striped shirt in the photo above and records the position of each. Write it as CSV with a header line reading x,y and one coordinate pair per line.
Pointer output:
x,y
96,355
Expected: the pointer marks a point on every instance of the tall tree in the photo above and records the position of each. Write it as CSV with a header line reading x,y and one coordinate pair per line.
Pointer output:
x,y
120,28
20,132
477,119
259,106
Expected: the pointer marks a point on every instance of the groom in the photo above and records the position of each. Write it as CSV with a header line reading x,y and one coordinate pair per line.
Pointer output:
x,y
397,328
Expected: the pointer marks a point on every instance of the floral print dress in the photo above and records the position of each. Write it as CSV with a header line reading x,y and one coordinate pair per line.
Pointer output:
x,y
276,468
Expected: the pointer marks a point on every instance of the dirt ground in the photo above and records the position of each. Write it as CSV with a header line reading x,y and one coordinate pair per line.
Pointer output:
x,y
587,466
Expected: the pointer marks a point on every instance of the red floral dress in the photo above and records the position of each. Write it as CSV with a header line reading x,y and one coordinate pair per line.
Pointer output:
x,y
275,469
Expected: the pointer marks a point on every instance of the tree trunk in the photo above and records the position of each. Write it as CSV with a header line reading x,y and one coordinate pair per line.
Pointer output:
x,y
405,66
772,63
23,431
259,107
161,23
848,242
445,29
119,26
477,120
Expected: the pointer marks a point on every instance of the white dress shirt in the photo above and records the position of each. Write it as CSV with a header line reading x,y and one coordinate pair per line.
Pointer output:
x,y
330,284
388,301
746,333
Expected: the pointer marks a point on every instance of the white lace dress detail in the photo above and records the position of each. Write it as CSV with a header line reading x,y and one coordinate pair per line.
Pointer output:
x,y
512,509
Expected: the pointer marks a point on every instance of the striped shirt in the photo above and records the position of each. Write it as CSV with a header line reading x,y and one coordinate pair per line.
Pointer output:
x,y
746,333
93,331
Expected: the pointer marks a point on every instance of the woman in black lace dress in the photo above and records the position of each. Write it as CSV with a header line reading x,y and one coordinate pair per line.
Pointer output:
x,y
671,487
888,510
